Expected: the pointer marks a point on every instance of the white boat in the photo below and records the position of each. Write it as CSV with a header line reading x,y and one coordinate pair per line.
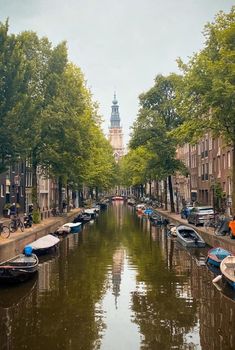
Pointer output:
x,y
91,211
140,207
227,267
189,237
73,226
44,244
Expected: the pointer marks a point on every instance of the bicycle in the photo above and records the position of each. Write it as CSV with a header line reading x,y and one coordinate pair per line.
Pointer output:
x,y
4,230
16,223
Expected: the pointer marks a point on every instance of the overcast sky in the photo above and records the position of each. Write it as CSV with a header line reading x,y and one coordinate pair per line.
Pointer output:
x,y
120,45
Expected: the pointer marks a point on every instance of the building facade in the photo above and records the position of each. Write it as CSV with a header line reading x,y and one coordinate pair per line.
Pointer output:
x,y
209,164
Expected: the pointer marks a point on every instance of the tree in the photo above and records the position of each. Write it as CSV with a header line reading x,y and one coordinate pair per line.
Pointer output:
x,y
207,100
157,117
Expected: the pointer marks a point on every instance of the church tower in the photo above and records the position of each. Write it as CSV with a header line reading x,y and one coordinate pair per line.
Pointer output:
x,y
115,131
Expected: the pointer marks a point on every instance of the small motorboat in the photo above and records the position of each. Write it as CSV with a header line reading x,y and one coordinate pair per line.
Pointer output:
x,y
75,227
172,231
189,238
91,211
117,198
148,211
83,218
44,244
155,219
227,268
63,230
19,269
216,255
131,201
140,207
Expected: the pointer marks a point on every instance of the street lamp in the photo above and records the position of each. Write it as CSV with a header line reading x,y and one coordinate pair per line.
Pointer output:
x,y
213,195
177,198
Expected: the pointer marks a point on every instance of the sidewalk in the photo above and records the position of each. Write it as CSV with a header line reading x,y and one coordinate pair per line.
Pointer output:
x,y
207,234
18,240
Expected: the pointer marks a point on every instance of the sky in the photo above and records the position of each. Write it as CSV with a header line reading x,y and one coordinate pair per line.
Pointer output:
x,y
120,45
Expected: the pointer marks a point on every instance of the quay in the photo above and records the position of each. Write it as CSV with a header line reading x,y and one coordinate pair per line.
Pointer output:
x,y
18,240
208,235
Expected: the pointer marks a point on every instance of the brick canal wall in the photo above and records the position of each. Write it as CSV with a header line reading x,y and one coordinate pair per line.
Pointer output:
x,y
18,240
208,235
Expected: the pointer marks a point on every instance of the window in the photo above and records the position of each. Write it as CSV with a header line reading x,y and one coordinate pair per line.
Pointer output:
x,y
2,190
224,161
7,189
218,166
210,143
229,159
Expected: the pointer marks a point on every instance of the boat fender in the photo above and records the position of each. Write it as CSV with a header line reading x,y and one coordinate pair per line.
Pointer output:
x,y
217,278
28,250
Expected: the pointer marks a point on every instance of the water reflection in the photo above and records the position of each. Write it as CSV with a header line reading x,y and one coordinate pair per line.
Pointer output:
x,y
119,284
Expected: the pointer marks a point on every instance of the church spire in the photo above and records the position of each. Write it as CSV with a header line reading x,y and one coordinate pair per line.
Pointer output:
x,y
115,118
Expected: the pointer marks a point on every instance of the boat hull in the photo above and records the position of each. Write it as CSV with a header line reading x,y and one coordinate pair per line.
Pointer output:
x,y
189,238
227,268
216,255
18,269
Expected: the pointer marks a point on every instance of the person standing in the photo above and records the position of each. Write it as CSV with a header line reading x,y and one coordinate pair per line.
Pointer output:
x,y
232,227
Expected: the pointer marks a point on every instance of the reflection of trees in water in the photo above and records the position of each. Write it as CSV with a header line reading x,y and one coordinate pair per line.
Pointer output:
x,y
14,299
165,310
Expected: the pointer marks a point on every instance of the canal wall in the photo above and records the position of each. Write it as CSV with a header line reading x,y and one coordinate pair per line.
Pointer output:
x,y
207,234
18,240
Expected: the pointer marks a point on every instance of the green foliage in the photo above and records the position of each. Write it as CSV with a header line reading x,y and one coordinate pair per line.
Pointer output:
x,y
207,100
47,114
36,216
157,117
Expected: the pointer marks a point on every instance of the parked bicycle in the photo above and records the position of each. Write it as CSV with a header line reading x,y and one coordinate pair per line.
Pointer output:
x,y
55,212
4,230
16,223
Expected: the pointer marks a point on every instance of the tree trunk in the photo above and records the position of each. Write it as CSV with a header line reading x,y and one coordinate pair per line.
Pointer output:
x,y
171,194
233,181
35,198
165,194
96,193
157,190
60,193
141,190
150,189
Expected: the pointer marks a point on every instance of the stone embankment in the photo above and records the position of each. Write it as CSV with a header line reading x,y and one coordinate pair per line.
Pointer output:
x,y
208,235
18,240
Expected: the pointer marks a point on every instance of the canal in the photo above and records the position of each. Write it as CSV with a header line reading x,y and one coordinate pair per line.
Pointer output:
x,y
119,284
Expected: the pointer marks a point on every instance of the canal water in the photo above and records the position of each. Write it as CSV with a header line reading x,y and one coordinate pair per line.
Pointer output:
x,y
120,284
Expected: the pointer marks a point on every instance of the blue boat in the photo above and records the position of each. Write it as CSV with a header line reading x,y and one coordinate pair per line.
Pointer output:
x,y
148,211
216,255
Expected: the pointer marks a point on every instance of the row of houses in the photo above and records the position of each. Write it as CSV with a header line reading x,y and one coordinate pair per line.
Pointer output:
x,y
16,188
209,180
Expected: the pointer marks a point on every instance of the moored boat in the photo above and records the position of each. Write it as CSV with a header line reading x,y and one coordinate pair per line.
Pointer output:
x,y
91,211
155,219
227,268
188,237
117,198
18,269
148,211
216,255
44,244
82,217
74,227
